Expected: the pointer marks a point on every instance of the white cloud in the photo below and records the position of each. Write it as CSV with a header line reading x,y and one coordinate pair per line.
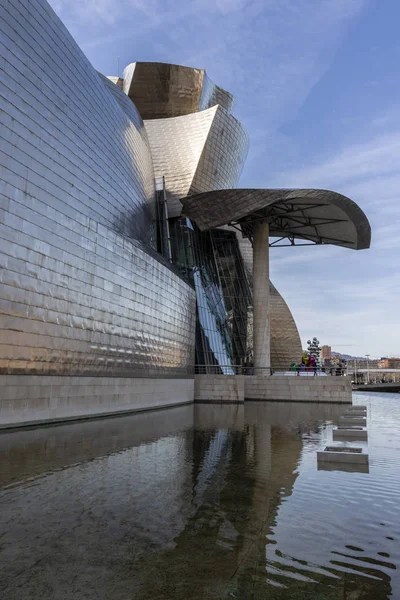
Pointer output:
x,y
360,162
352,296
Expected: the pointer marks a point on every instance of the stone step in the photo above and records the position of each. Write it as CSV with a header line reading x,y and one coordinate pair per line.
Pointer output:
x,y
344,467
352,433
343,454
353,421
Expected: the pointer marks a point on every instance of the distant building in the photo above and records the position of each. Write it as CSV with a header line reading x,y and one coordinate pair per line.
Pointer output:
x,y
372,363
326,352
389,363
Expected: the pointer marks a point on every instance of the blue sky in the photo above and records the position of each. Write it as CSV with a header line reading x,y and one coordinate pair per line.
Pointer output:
x,y
317,87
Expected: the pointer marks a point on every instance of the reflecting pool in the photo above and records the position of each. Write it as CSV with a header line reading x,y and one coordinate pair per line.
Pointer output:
x,y
201,502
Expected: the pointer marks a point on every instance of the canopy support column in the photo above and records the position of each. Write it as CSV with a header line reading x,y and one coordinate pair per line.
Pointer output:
x,y
261,304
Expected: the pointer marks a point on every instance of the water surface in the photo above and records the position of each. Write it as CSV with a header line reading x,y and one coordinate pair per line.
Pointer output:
x,y
201,502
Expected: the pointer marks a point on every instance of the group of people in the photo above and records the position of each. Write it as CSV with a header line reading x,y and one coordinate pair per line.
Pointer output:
x,y
308,363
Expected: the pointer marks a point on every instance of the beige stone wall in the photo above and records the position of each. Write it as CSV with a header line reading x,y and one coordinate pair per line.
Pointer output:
x,y
230,388
219,388
292,388
34,398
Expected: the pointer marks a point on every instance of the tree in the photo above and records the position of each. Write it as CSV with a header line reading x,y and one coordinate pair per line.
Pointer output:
x,y
314,349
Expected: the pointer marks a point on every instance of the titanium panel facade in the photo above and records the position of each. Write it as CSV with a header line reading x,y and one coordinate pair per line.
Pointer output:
x,y
176,146
212,94
285,339
196,153
161,90
82,291
319,216
224,155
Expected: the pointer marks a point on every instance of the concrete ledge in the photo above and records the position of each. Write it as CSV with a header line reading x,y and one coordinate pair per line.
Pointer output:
x,y
355,413
340,455
359,422
34,399
349,434
307,389
219,388
344,467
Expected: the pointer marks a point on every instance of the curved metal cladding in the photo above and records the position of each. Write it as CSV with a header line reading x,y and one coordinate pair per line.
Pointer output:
x,y
223,156
319,216
142,165
162,90
212,94
176,146
195,153
284,336
80,290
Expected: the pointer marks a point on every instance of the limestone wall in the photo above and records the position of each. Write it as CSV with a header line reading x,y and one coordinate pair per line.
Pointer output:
x,y
219,388
35,398
306,389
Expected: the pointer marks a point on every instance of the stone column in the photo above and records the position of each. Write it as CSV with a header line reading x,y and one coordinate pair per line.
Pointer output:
x,y
261,313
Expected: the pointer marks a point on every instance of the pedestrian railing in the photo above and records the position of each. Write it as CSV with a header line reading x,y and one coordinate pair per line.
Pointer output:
x,y
282,370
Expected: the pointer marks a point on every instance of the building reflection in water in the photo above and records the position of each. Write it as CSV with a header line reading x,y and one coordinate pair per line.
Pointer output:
x,y
193,502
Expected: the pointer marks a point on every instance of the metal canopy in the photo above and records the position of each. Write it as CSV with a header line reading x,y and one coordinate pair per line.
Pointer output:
x,y
297,216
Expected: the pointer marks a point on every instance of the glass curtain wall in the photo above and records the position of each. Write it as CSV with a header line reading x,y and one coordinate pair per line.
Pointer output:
x,y
212,262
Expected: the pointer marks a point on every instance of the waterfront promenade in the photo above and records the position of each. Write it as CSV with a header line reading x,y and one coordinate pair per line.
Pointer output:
x,y
34,400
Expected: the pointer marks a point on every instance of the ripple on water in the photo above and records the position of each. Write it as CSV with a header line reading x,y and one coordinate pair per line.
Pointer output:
x,y
328,509
212,502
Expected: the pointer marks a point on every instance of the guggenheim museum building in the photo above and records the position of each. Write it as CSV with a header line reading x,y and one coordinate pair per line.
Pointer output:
x,y
126,249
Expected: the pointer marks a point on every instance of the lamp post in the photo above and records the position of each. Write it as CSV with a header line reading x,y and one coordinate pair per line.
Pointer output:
x,y
367,355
